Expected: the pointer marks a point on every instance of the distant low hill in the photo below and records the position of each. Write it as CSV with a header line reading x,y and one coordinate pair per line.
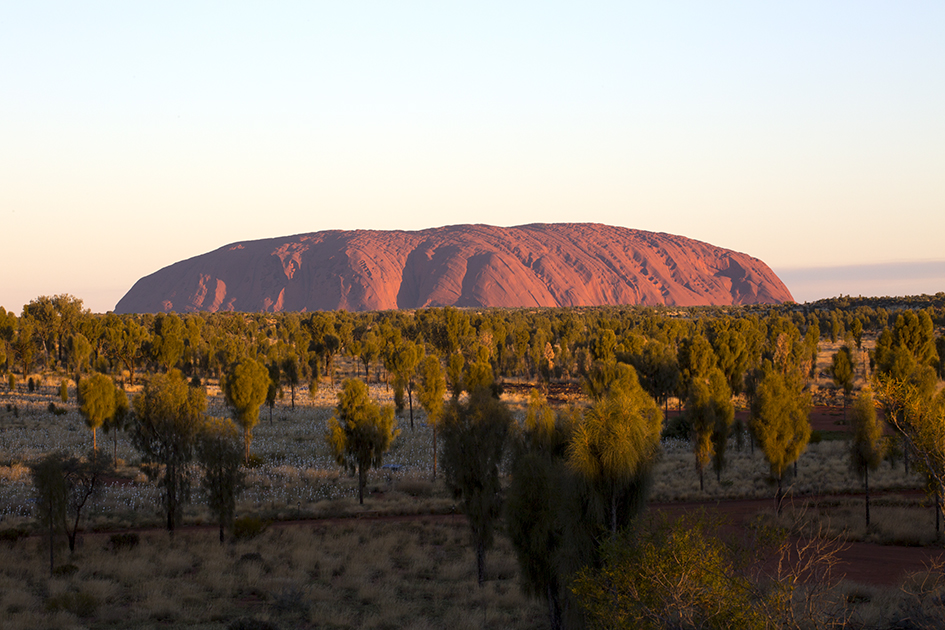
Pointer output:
x,y
559,264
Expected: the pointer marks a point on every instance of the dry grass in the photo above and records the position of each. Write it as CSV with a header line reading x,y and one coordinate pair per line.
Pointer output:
x,y
894,519
353,575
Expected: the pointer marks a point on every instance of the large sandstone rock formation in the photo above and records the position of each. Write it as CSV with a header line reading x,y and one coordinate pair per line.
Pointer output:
x,y
574,264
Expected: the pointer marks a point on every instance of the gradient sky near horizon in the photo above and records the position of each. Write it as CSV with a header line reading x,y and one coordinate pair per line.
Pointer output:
x,y
808,134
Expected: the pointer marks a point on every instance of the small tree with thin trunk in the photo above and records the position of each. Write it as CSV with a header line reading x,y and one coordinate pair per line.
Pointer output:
x,y
430,395
615,445
120,420
52,493
64,485
272,392
362,431
245,388
474,435
841,369
291,373
218,452
780,421
867,448
97,394
168,414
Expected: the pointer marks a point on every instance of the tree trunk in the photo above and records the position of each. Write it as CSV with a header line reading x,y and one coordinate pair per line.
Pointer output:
x,y
701,481
554,608
410,401
434,452
779,497
221,531
866,479
613,511
481,560
51,548
938,509
362,480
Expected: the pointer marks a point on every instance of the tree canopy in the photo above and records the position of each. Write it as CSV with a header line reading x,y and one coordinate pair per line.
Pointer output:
x,y
361,431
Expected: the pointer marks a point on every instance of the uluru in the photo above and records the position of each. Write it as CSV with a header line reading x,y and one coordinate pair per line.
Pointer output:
x,y
557,264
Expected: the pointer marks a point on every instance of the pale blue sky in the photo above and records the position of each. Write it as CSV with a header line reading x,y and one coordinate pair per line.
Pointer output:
x,y
133,135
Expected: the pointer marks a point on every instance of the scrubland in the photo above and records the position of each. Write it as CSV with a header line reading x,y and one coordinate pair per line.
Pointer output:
x,y
321,560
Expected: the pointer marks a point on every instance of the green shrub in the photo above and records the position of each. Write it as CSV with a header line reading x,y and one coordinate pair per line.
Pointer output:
x,y
65,570
79,604
58,411
247,527
415,487
13,534
254,461
127,540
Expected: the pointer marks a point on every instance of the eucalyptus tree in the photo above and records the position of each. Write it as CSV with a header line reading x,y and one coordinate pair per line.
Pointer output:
x,y
47,322
79,351
8,326
24,344
70,313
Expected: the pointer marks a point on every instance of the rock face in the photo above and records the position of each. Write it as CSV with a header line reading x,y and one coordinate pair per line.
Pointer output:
x,y
574,264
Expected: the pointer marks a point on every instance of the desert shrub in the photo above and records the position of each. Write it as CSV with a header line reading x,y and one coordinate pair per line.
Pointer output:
x,y
65,570
670,574
79,604
816,437
11,381
127,540
254,461
246,527
677,428
57,411
13,534
415,487
30,385
64,392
